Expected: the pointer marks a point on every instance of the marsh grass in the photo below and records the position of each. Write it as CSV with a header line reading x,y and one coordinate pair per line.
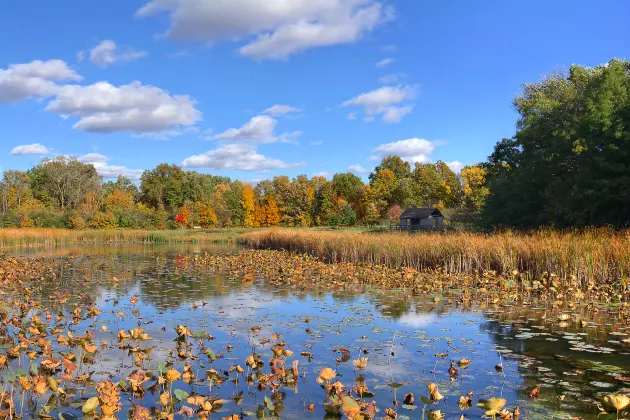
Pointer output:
x,y
28,238
599,255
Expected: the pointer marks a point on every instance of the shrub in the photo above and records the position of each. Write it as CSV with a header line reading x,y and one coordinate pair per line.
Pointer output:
x,y
77,221
50,219
103,221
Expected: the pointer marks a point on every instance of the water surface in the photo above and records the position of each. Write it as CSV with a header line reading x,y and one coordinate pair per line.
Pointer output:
x,y
409,341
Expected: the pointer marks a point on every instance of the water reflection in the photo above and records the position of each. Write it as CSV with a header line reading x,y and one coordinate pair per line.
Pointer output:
x,y
408,340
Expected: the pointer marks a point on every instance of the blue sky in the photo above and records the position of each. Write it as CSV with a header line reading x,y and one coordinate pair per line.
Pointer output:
x,y
257,88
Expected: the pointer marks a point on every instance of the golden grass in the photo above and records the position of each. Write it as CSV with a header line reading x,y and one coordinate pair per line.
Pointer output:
x,y
27,238
600,255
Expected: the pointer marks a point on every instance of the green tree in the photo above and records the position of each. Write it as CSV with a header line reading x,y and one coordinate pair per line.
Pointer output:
x,y
568,164
66,181
349,186
161,187
400,168
325,209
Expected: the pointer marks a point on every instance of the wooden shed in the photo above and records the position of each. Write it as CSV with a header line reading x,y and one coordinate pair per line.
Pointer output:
x,y
421,218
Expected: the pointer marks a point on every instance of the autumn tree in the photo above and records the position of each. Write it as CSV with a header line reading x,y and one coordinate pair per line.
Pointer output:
x,y
183,217
249,206
18,186
382,187
474,187
272,213
398,167
208,218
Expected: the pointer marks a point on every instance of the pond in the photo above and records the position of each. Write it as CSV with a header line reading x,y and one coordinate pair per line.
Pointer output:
x,y
383,343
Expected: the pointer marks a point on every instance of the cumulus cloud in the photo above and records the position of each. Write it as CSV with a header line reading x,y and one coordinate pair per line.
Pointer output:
x,y
100,107
236,157
358,169
411,150
456,166
385,62
278,110
279,29
323,173
30,149
107,53
385,102
259,129
35,79
135,108
107,171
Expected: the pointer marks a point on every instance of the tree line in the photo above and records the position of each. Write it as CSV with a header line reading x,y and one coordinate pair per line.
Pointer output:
x,y
63,192
568,165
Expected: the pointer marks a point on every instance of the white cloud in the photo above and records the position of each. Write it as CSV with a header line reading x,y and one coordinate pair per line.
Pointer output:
x,y
278,110
323,173
395,114
411,150
100,107
384,62
317,143
107,171
106,53
280,28
456,166
236,157
30,149
259,129
392,79
136,108
385,101
358,169
35,79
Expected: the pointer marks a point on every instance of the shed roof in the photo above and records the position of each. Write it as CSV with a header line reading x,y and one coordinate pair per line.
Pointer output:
x,y
420,213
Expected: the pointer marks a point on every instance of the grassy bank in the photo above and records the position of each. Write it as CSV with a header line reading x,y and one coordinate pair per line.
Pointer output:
x,y
27,238
598,254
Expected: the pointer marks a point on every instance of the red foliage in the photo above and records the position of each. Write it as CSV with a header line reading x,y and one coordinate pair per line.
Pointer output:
x,y
182,216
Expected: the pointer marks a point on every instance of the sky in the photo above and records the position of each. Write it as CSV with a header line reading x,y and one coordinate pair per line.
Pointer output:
x,y
252,89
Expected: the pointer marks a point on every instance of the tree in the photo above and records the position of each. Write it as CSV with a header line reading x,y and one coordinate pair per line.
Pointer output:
x,y
347,216
119,200
372,214
325,209
382,189
207,218
393,214
183,217
249,206
451,187
161,187
474,187
18,187
122,184
66,180
349,186
395,164
567,165
428,186
272,213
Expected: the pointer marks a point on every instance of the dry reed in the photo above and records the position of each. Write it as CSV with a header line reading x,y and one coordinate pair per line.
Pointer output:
x,y
599,255
28,238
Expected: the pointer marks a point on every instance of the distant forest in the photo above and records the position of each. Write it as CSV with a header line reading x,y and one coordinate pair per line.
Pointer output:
x,y
568,165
